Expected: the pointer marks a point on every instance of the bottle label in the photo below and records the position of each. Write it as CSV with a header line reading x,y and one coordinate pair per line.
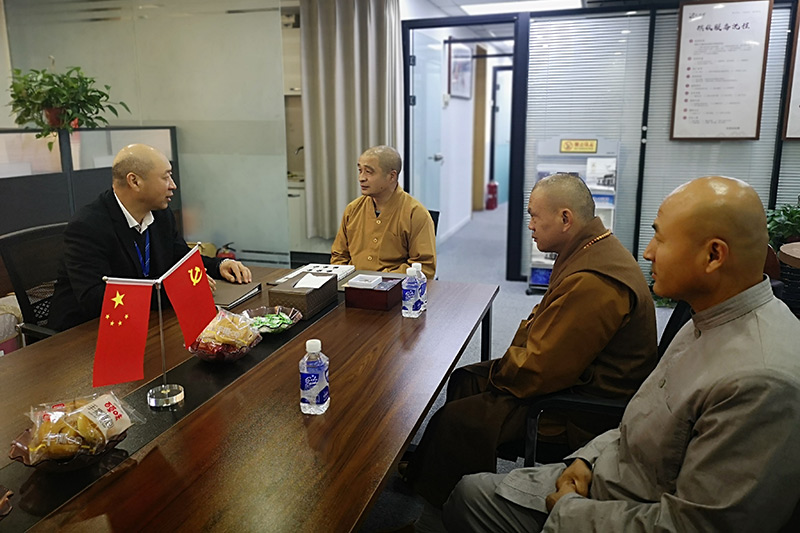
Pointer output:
x,y
408,294
422,288
308,381
417,305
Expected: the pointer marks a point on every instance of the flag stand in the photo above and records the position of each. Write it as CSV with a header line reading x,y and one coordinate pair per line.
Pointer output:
x,y
166,394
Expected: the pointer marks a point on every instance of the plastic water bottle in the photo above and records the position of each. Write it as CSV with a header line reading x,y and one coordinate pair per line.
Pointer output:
x,y
422,280
314,392
412,305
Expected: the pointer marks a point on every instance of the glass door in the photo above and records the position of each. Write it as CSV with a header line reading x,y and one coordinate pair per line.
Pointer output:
x,y
426,118
501,134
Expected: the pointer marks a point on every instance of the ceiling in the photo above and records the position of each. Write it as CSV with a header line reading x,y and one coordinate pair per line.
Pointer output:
x,y
453,7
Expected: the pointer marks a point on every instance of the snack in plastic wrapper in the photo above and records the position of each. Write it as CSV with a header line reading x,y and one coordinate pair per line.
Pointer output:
x,y
62,431
226,338
273,319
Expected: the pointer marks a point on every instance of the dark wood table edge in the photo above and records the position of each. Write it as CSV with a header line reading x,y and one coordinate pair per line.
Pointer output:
x,y
484,321
486,315
139,437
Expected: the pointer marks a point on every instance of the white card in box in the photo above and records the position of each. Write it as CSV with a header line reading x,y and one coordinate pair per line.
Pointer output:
x,y
364,281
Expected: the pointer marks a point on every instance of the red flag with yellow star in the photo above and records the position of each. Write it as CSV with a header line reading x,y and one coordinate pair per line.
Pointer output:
x,y
190,295
119,356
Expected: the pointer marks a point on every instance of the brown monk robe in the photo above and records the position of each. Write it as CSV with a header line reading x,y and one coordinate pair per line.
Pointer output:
x,y
594,333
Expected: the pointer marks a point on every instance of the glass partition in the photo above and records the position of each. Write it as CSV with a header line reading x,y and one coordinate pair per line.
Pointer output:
x,y
22,154
97,148
39,186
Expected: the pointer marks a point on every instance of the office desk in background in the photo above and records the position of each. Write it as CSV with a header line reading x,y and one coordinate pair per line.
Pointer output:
x,y
247,458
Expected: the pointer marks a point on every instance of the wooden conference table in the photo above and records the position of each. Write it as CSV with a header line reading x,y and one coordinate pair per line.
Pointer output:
x,y
245,457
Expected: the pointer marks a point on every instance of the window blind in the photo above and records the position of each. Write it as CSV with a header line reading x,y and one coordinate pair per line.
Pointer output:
x,y
586,78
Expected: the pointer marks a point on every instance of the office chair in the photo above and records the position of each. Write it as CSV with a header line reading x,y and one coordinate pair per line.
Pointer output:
x,y
435,217
31,257
298,259
612,409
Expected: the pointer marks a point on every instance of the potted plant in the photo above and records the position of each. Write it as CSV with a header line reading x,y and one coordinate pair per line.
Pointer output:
x,y
783,225
52,101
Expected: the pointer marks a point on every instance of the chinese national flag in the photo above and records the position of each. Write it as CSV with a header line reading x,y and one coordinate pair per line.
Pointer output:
x,y
190,295
119,356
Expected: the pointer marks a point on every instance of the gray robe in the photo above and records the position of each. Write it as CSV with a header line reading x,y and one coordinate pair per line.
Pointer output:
x,y
711,440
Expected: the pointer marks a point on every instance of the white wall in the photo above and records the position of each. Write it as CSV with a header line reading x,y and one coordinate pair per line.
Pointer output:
x,y
419,9
213,72
456,176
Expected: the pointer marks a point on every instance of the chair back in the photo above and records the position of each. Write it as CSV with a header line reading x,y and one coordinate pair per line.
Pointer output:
x,y
31,257
435,217
772,267
681,314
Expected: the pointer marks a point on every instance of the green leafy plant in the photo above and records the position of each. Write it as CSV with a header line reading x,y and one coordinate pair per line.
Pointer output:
x,y
52,101
783,225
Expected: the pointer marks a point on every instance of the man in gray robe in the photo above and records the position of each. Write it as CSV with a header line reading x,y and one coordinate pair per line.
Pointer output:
x,y
710,440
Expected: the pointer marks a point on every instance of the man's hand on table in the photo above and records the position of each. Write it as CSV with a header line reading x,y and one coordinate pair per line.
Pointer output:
x,y
235,272
211,283
576,478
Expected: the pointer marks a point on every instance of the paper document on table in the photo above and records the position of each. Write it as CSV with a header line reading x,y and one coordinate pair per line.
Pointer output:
x,y
310,281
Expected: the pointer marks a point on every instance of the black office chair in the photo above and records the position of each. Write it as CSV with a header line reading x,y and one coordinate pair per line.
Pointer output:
x,y
607,409
31,257
298,259
435,217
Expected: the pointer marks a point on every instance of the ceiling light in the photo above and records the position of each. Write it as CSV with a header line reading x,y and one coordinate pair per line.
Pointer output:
x,y
521,7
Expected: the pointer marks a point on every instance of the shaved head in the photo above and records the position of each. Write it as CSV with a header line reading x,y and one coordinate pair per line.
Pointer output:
x,y
728,209
388,158
570,192
710,242
139,159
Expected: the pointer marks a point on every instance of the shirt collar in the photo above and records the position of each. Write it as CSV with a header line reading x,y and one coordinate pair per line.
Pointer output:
x,y
146,221
734,307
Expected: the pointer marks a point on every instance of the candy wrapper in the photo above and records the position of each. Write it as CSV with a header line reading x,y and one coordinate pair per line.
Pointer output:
x,y
273,319
64,431
226,338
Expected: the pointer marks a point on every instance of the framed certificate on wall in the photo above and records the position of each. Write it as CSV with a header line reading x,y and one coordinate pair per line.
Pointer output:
x,y
719,72
792,123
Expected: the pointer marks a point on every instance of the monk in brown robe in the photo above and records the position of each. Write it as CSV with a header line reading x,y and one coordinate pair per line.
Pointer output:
x,y
593,333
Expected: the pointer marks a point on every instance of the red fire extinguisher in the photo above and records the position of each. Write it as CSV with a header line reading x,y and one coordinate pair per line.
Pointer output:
x,y
491,194
226,251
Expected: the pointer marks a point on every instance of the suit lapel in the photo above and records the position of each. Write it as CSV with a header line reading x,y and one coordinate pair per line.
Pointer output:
x,y
122,231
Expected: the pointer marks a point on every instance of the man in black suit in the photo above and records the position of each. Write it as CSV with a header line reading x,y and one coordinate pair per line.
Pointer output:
x,y
128,232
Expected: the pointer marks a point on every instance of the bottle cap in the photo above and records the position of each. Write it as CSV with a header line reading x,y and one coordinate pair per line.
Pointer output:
x,y
418,266
411,271
313,345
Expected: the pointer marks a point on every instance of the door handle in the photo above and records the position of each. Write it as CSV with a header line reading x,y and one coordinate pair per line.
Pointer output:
x,y
294,195
436,157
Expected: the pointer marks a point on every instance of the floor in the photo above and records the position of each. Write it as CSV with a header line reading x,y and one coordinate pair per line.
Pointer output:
x,y
475,254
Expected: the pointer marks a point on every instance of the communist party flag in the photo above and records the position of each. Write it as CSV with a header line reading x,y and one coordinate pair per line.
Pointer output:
x,y
190,295
119,355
